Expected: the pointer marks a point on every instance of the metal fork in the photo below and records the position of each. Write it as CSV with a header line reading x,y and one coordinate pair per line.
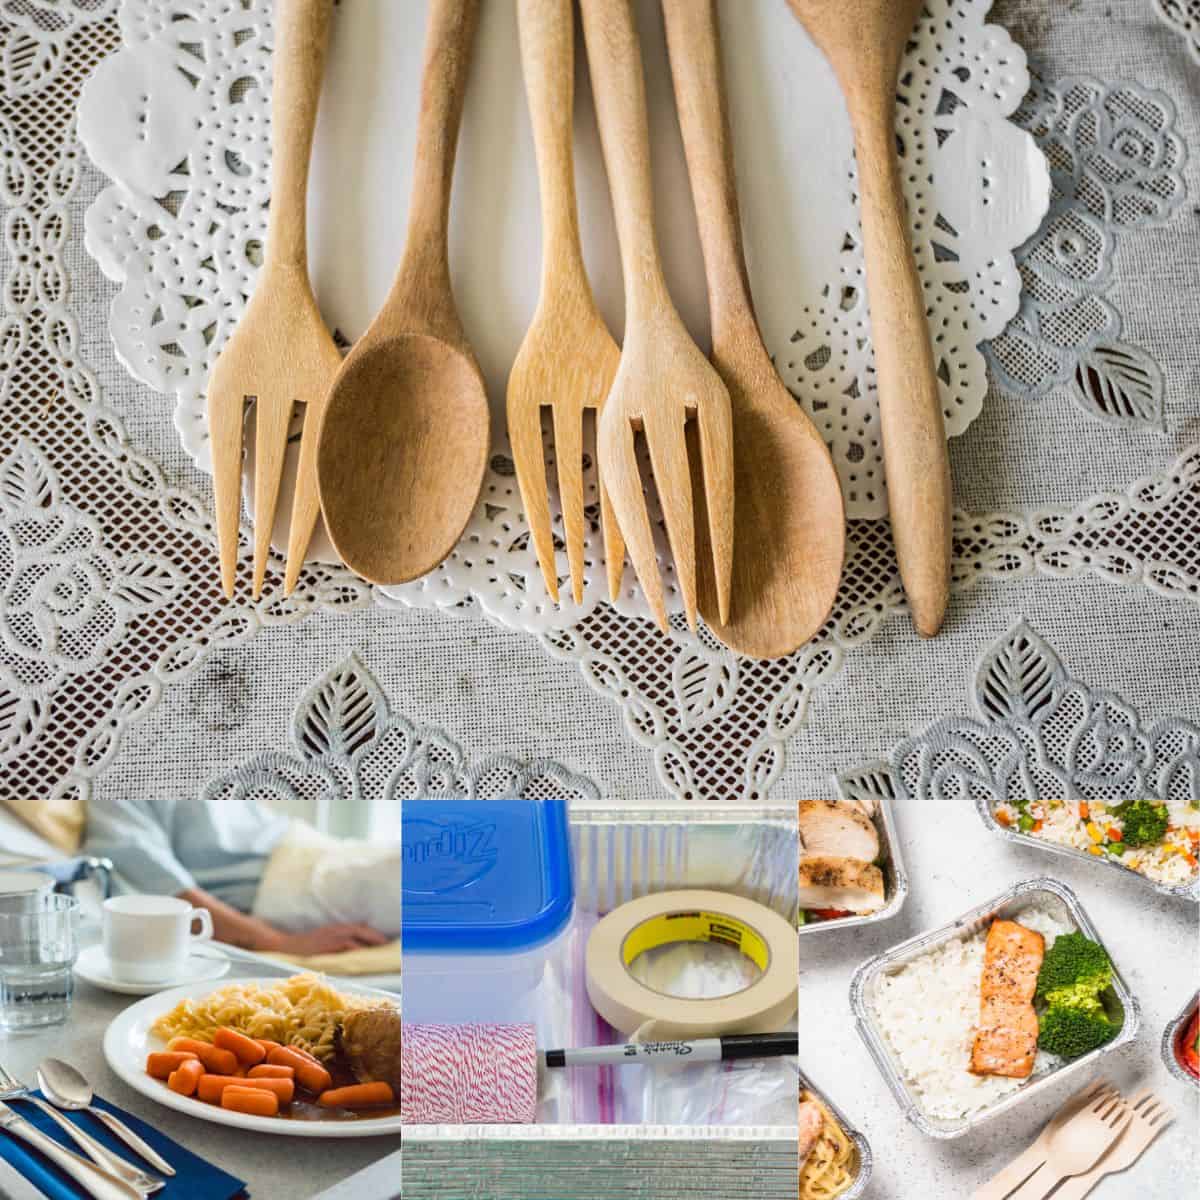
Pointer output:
x,y
12,1089
664,380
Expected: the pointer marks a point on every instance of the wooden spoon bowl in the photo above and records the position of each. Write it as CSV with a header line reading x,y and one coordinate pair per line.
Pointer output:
x,y
408,410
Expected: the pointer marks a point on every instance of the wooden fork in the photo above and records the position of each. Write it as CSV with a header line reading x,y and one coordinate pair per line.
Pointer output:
x,y
281,350
663,378
568,359
1150,1118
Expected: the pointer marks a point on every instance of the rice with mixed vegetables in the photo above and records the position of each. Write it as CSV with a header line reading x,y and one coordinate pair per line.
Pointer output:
x,y
1099,829
928,1013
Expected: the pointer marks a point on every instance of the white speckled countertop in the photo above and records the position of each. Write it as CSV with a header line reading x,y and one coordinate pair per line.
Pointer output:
x,y
953,864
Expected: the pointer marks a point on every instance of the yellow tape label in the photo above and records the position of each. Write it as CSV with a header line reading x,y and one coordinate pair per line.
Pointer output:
x,y
696,926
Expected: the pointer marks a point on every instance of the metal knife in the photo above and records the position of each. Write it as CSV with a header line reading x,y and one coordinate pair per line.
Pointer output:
x,y
99,1184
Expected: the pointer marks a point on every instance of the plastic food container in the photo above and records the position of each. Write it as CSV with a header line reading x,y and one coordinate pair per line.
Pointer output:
x,y
1182,891
864,1162
1010,904
895,877
1171,1039
487,896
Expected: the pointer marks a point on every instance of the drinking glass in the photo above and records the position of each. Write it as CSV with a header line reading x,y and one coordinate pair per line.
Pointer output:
x,y
37,952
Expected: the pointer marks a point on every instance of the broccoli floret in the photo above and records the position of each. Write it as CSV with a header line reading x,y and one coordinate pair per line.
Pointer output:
x,y
1077,963
1083,996
1144,822
1071,1032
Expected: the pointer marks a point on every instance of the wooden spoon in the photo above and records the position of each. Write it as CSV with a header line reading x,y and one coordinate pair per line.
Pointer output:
x,y
404,443
789,521
863,42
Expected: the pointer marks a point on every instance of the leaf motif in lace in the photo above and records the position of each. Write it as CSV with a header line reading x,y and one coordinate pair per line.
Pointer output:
x,y
1040,734
1116,163
349,745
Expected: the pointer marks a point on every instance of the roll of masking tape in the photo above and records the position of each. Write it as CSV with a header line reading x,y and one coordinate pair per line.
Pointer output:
x,y
643,1014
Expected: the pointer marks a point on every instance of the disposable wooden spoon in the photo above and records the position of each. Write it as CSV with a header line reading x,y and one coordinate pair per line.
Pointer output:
x,y
789,523
282,350
663,380
404,443
863,42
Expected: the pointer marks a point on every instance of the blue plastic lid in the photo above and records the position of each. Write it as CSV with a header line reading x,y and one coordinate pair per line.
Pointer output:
x,y
484,876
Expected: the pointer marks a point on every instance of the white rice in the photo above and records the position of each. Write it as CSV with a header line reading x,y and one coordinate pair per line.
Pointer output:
x,y
928,1011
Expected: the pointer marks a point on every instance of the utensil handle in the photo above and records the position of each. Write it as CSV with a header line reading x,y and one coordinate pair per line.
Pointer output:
x,y
421,295
1039,1185
547,29
97,1151
694,49
301,41
619,88
1017,1171
138,1145
98,1183
916,460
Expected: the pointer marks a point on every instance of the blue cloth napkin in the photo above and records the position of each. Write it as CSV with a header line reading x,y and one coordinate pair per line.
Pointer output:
x,y
195,1179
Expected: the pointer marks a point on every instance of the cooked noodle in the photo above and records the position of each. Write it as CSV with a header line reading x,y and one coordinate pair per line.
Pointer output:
x,y
301,1011
827,1172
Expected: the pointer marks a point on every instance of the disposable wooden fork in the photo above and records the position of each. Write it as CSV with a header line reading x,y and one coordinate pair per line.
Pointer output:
x,y
1078,1145
281,351
1150,1118
568,359
663,379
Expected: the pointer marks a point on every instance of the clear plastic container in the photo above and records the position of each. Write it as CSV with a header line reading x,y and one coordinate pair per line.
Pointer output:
x,y
487,898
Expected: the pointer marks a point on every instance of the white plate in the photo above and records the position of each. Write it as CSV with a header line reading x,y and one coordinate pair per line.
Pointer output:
x,y
128,1040
203,966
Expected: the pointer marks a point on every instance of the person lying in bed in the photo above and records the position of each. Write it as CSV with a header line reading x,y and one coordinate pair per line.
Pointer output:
x,y
216,854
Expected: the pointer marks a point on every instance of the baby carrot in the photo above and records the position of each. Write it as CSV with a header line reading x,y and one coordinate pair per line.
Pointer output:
x,y
271,1071
247,1050
309,1075
161,1065
186,1077
220,1062
358,1095
211,1087
250,1100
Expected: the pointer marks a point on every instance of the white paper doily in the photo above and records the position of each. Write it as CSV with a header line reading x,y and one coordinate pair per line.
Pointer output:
x,y
179,121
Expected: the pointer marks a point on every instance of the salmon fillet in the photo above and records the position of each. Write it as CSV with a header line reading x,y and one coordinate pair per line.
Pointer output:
x,y
1006,1039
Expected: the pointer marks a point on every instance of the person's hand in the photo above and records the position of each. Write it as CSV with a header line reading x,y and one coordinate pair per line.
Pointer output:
x,y
326,939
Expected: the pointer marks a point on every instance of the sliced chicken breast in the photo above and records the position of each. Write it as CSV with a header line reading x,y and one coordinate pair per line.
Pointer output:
x,y
832,882
812,1121
837,828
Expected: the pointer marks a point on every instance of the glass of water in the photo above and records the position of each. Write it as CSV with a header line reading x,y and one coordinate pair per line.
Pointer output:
x,y
38,948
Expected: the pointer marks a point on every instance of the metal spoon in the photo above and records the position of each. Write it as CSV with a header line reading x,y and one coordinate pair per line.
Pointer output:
x,y
66,1088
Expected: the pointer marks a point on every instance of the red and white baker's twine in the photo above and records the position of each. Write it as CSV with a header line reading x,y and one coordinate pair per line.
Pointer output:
x,y
468,1074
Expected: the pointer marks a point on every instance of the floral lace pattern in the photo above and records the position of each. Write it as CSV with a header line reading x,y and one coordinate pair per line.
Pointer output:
x,y
348,744
1040,734
1115,166
119,530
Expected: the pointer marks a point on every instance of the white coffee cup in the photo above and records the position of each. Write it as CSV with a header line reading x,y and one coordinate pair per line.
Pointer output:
x,y
148,938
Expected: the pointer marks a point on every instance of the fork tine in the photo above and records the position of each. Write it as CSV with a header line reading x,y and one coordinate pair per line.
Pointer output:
x,y
306,500
225,414
666,441
614,543
629,505
525,441
272,419
568,454
716,452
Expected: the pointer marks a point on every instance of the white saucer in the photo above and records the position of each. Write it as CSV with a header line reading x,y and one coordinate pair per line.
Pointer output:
x,y
202,966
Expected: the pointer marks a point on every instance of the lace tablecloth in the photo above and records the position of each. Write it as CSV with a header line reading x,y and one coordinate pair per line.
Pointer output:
x,y
1078,487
